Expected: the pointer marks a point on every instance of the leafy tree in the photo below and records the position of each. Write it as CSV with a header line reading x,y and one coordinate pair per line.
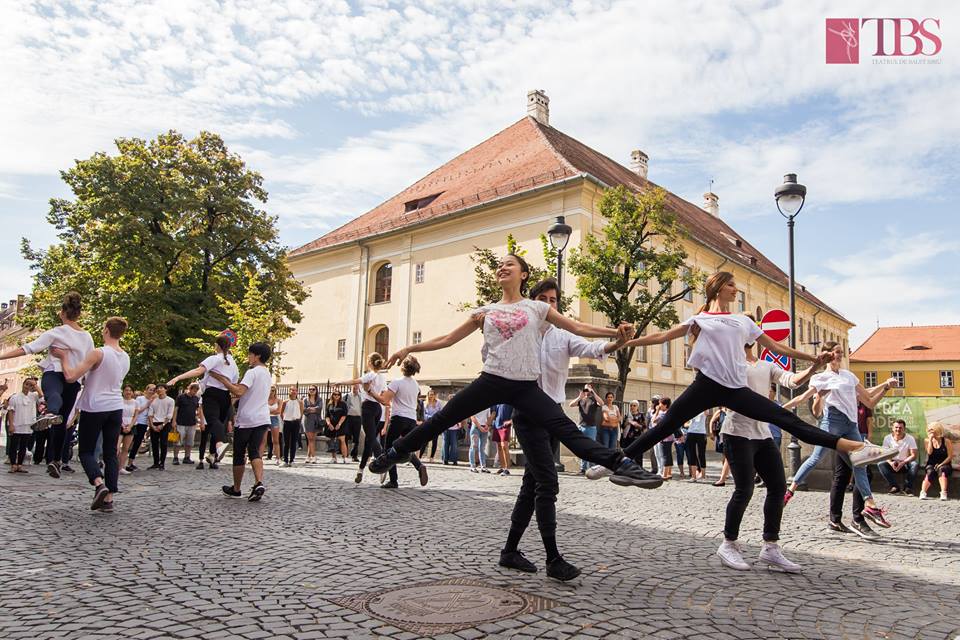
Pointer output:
x,y
162,233
629,269
485,268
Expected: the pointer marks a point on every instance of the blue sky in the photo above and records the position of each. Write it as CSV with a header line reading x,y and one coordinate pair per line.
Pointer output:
x,y
342,104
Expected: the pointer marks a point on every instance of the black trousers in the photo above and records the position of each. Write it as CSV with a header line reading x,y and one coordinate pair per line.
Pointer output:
x,y
40,440
216,411
246,443
353,425
703,393
291,437
60,397
158,443
139,433
433,448
17,447
842,472
93,424
526,398
399,427
370,413
697,450
745,456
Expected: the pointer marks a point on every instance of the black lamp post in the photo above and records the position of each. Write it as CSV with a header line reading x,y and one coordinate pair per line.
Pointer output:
x,y
559,235
790,197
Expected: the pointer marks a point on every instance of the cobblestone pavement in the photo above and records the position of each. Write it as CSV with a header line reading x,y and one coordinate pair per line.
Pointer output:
x,y
179,560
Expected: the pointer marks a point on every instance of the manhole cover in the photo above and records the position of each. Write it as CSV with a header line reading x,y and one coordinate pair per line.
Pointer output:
x,y
444,606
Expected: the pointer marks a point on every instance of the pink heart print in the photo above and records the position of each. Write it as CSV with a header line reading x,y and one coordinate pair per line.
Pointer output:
x,y
508,322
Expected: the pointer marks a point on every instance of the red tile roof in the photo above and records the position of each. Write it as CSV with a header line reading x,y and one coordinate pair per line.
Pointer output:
x,y
524,156
908,344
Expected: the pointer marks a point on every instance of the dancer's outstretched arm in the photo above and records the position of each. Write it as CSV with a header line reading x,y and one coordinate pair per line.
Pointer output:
x,y
582,328
870,397
193,373
441,342
674,332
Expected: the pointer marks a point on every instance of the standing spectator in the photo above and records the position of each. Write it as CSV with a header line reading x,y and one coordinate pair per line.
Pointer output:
x,y
939,454
140,417
588,404
697,447
666,445
634,423
905,461
479,430
680,448
656,464
272,440
354,420
503,420
716,424
336,431
313,422
607,434
291,411
421,416
126,427
186,410
21,414
161,415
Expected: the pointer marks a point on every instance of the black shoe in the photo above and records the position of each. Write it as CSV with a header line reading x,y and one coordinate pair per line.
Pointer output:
x,y
187,461
228,490
163,467
560,569
214,466
862,529
177,461
153,466
630,474
132,467
390,485
53,470
199,465
516,560
839,527
894,490
129,468
423,474
99,495
355,459
66,468
106,507
257,492
388,459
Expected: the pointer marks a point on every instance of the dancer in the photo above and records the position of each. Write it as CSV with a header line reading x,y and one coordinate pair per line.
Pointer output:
x,y
60,395
101,408
161,416
372,383
718,355
126,427
313,422
840,390
291,411
401,396
140,418
251,420
215,398
749,446
939,454
186,414
21,416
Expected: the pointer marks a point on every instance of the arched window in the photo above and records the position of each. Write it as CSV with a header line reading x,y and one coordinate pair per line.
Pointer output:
x,y
381,342
381,289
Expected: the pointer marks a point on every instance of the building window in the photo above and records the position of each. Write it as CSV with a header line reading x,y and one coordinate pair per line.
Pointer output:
x,y
741,302
417,337
869,379
341,349
665,354
642,351
799,333
381,343
384,279
898,375
946,379
687,349
688,296
419,273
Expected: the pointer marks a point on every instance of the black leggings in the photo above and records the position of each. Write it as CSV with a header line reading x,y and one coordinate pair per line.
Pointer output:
x,y
139,433
246,442
433,448
842,472
704,394
697,450
745,456
158,443
216,411
94,424
60,397
370,413
399,427
17,447
291,435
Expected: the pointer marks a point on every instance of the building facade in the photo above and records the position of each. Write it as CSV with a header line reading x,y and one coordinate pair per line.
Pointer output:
x,y
13,334
924,360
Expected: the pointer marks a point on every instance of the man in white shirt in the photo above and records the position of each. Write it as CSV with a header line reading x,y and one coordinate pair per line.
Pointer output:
x,y
161,414
904,462
21,416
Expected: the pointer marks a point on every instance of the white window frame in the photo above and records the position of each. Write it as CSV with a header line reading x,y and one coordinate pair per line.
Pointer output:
x,y
419,271
341,349
869,379
666,354
741,301
946,379
641,351
417,337
901,378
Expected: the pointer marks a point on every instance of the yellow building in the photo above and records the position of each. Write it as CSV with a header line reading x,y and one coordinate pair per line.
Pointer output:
x,y
13,334
925,360
396,274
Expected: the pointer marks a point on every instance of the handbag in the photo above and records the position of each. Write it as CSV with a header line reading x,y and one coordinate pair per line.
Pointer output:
x,y
173,437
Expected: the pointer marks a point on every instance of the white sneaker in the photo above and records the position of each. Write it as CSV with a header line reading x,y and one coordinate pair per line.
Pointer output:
x,y
730,556
771,554
277,461
123,472
222,449
209,459
596,472
871,454
943,497
923,495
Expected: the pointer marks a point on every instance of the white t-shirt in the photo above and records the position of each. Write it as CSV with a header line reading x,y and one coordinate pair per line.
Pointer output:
x,y
377,384
142,404
512,338
253,410
226,369
291,410
760,374
79,344
404,402
102,387
718,351
129,406
162,409
843,391
908,442
24,407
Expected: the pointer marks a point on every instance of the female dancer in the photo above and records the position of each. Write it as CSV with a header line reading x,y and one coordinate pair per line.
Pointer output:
x,y
101,408
216,398
512,341
291,411
313,422
939,454
272,440
840,390
721,377
336,426
401,396
60,395
126,427
372,384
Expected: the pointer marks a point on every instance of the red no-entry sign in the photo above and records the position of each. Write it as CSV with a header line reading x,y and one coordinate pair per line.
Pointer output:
x,y
776,324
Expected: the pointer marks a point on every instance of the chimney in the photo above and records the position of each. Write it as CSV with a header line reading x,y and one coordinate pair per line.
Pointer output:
x,y
638,163
711,204
538,106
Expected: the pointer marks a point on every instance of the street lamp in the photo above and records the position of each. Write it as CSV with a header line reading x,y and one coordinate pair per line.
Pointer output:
x,y
790,197
559,235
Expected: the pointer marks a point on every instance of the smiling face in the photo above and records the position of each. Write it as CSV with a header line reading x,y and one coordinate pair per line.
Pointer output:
x,y
510,272
728,291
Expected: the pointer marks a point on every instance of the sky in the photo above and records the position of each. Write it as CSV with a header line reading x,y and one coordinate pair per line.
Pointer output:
x,y
342,104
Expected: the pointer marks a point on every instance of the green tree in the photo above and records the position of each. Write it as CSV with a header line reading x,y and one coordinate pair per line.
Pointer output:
x,y
485,268
630,270
161,233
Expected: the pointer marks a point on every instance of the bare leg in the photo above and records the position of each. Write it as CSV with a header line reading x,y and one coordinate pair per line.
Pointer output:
x,y
343,447
257,472
238,472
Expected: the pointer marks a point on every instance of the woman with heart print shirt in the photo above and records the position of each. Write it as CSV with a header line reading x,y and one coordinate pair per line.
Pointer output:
x,y
511,366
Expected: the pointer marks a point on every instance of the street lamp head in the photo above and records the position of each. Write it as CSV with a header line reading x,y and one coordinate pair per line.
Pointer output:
x,y
559,234
790,196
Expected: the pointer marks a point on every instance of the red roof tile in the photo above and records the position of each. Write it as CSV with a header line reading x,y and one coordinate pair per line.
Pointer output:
x,y
908,344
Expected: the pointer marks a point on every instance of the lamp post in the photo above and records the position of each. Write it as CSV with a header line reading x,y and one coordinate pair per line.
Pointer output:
x,y
790,197
559,235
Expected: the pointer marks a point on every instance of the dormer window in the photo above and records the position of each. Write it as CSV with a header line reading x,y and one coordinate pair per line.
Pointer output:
x,y
420,203
917,347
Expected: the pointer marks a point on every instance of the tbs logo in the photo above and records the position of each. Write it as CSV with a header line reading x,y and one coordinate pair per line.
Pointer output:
x,y
901,38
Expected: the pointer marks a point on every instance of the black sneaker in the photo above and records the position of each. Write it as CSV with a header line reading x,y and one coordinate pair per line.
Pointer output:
x,y
199,465
390,458
894,490
129,468
187,461
153,466
214,466
228,490
423,474
862,529
516,560
132,467
630,474
66,468
560,569
839,527
176,461
390,485
53,470
99,495
257,492
106,507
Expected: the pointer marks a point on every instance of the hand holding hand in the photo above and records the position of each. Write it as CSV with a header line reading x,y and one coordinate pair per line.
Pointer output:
x,y
58,352
219,376
891,383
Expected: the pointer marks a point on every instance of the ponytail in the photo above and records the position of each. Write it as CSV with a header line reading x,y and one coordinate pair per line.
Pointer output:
x,y
223,342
